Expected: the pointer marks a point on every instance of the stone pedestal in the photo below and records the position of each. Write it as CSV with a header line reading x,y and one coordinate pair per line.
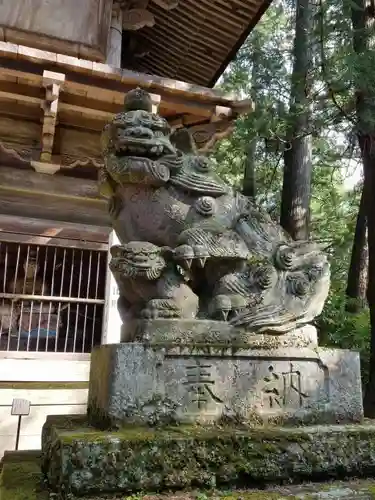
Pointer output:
x,y
242,388
250,379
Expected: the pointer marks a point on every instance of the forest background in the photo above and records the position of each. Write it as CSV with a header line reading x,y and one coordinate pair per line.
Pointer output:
x,y
307,152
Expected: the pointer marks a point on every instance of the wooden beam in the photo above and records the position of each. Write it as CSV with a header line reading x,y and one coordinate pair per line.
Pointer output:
x,y
100,72
35,205
47,369
23,180
48,241
24,99
90,107
41,196
45,227
55,356
94,114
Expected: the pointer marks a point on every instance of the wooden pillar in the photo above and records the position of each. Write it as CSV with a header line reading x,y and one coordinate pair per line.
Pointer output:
x,y
115,37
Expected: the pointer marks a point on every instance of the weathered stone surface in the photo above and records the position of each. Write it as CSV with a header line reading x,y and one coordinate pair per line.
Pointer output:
x,y
188,332
211,383
32,487
191,246
84,461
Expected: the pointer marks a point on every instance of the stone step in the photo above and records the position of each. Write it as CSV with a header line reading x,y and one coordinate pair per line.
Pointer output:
x,y
22,481
139,458
22,456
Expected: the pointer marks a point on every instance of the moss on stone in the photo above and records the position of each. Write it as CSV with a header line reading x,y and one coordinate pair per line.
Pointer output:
x,y
69,432
143,434
22,456
84,460
22,481
29,487
12,472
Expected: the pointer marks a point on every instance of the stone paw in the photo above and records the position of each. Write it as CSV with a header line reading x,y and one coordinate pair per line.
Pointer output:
x,y
186,255
160,308
149,313
226,307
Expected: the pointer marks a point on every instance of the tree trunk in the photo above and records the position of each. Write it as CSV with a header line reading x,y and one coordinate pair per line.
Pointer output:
x,y
358,271
362,19
249,177
368,154
249,185
295,198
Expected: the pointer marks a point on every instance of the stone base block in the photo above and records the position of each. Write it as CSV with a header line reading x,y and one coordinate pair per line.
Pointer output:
x,y
187,332
81,460
33,488
135,383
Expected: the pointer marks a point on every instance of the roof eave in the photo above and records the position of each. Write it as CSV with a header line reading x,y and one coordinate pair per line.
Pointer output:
x,y
232,54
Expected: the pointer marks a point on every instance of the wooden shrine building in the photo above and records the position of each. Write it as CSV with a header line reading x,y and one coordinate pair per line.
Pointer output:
x,y
65,66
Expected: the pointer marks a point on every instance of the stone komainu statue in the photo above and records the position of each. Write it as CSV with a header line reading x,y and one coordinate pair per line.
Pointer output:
x,y
192,247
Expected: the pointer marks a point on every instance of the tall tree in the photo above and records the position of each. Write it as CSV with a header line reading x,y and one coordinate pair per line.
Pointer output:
x,y
260,71
295,198
363,19
358,269
249,177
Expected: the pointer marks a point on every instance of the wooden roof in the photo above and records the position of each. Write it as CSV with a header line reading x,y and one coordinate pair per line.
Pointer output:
x,y
94,92
86,96
195,41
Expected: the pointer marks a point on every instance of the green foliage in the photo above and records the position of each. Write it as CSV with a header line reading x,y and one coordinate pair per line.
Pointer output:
x,y
262,71
345,330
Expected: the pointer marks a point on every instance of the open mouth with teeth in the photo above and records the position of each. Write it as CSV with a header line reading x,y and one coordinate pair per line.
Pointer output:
x,y
141,141
140,260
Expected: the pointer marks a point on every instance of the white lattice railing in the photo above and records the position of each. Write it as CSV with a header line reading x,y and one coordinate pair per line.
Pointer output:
x,y
51,297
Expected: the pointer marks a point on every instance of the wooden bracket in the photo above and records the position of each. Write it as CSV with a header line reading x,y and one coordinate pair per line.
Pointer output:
x,y
221,125
206,135
44,167
53,84
136,19
242,107
135,15
222,112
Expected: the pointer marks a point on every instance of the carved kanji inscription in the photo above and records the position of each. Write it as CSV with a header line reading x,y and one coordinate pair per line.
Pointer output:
x,y
200,383
283,389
